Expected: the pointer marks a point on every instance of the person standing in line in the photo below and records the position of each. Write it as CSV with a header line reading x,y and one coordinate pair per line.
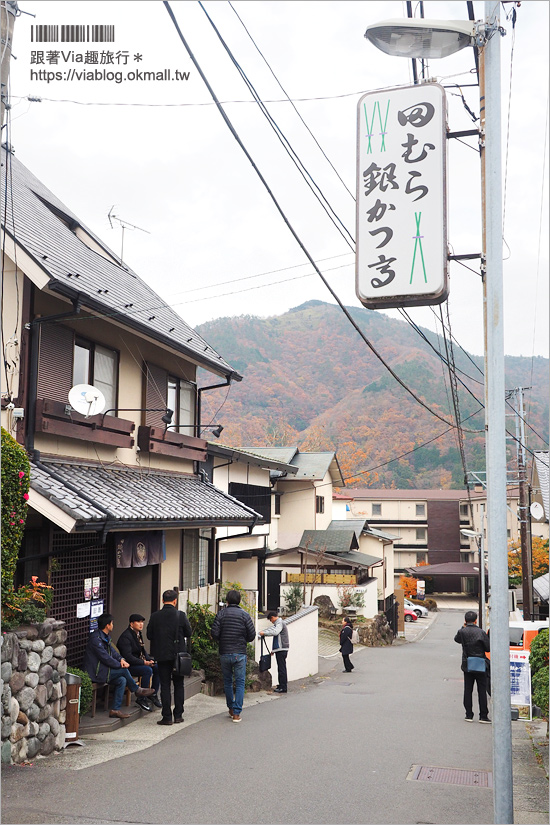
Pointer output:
x,y
232,629
475,642
346,646
168,630
279,631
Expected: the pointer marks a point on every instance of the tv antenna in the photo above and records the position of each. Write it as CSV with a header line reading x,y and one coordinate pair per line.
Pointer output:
x,y
123,225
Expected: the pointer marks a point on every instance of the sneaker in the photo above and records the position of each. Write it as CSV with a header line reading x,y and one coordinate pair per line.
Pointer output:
x,y
485,721
144,704
231,713
236,717
469,719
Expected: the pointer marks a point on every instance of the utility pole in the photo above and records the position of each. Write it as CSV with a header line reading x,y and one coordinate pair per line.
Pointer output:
x,y
8,12
523,506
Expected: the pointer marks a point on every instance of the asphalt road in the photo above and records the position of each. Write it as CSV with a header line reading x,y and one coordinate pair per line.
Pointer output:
x,y
341,751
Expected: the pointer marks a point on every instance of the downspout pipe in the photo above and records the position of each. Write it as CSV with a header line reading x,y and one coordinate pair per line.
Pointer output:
x,y
33,327
233,376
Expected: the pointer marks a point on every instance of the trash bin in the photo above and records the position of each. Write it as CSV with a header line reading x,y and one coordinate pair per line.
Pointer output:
x,y
73,706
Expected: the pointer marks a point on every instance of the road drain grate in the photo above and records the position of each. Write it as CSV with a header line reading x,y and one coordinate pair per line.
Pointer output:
x,y
452,776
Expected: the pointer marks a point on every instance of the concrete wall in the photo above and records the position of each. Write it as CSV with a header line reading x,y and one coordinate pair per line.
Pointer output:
x,y
303,654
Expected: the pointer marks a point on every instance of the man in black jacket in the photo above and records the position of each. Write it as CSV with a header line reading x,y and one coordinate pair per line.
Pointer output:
x,y
475,643
168,630
232,629
131,647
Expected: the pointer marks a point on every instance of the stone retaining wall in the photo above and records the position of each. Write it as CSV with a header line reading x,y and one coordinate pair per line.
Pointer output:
x,y
33,691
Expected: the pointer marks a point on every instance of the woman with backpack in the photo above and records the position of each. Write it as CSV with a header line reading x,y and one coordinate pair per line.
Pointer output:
x,y
346,646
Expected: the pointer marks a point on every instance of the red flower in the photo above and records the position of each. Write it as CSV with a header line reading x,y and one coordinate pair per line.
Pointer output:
x,y
21,473
26,496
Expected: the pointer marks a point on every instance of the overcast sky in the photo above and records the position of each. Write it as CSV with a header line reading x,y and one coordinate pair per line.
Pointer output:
x,y
171,167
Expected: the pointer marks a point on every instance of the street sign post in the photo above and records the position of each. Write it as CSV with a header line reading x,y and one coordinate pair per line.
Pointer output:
x,y
402,197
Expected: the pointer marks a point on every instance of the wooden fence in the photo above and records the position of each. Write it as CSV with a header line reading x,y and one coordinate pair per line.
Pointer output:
x,y
322,578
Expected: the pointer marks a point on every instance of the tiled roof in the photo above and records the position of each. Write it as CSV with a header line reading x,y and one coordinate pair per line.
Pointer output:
x,y
357,525
104,285
355,559
331,541
540,586
131,496
249,455
312,608
283,454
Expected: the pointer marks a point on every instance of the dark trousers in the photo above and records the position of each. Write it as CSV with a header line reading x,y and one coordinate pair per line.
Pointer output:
x,y
481,680
147,672
347,662
281,667
167,676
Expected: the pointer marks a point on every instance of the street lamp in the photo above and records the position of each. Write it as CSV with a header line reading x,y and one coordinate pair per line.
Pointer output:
x,y
429,38
481,556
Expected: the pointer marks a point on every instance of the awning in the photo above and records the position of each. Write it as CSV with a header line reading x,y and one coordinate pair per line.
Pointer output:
x,y
80,497
450,568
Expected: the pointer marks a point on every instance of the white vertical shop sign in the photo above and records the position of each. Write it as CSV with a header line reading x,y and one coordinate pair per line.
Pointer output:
x,y
402,197
520,683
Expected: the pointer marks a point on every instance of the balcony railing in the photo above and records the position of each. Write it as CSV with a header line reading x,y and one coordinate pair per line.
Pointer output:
x,y
58,418
322,578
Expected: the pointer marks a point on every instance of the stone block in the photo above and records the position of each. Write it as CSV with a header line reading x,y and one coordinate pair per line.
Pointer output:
x,y
22,718
61,636
49,688
7,647
51,638
54,725
45,674
43,730
33,747
33,712
47,627
44,713
22,750
58,625
28,631
6,752
47,654
56,691
53,663
60,651
60,738
22,660
38,645
48,745
6,671
31,679
33,661
14,709
62,717
17,681
5,727
25,644
56,708
18,732
6,698
62,668
26,698
63,703
33,728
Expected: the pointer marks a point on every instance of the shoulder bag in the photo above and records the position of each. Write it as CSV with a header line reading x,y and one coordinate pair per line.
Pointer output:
x,y
182,660
476,664
265,659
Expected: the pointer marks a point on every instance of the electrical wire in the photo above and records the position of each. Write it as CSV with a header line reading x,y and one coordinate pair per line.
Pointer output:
x,y
291,102
290,227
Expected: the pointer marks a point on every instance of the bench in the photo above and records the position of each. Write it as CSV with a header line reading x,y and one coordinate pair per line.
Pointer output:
x,y
103,688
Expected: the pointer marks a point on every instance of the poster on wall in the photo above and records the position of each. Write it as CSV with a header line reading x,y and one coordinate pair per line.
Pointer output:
x,y
87,590
82,610
96,610
95,587
520,683
420,588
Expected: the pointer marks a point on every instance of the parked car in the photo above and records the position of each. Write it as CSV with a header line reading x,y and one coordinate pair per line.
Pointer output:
x,y
419,609
409,615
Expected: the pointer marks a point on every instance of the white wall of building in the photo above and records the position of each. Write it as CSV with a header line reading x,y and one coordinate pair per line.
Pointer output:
x,y
303,654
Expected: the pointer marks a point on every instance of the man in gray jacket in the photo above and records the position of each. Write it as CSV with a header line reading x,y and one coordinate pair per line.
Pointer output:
x,y
279,631
232,629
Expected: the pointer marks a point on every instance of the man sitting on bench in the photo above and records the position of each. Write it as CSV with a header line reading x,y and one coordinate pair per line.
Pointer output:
x,y
104,664
132,648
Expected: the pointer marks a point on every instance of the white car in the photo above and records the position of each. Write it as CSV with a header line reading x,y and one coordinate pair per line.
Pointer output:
x,y
419,609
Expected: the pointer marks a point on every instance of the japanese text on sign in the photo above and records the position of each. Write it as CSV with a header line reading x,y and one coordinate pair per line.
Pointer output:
x,y
401,197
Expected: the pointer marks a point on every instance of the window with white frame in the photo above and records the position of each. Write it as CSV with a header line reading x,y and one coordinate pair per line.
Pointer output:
x,y
319,504
420,509
376,509
464,510
421,534
180,399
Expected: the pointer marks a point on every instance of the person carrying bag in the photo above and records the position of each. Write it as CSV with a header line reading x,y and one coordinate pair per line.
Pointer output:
x,y
168,630
475,643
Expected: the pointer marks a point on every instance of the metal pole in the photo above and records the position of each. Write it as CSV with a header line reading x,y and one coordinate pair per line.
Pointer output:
x,y
495,422
482,612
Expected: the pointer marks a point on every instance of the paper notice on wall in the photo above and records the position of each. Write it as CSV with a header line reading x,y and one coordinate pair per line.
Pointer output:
x,y
87,589
97,609
82,610
95,587
520,683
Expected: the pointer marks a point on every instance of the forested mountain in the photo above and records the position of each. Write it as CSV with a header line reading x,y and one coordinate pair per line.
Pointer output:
x,y
309,380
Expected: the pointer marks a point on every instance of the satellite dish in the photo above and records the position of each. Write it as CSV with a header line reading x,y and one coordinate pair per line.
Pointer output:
x,y
537,510
86,399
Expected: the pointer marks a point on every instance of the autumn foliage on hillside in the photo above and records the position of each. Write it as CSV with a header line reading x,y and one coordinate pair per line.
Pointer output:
x,y
539,560
310,381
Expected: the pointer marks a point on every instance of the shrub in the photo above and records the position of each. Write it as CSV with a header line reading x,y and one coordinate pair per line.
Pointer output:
x,y
15,494
539,686
85,689
225,587
348,597
294,597
538,658
204,650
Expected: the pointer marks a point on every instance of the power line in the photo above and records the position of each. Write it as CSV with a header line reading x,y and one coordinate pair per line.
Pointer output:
x,y
290,227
